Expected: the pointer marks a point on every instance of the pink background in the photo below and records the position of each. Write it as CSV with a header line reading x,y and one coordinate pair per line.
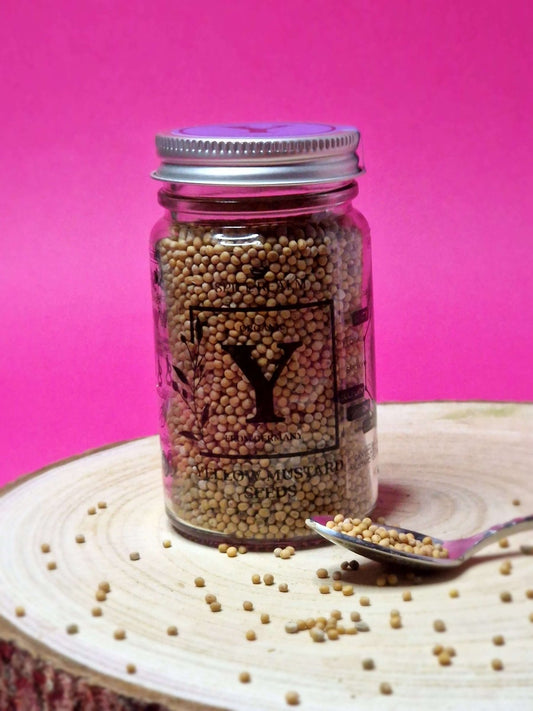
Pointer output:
x,y
442,93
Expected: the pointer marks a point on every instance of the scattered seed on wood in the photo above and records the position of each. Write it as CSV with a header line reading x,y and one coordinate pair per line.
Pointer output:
x,y
355,616
167,543
337,585
322,573
283,587
531,616
437,649
385,688
454,592
336,614
277,552
231,552
285,553
516,502
497,664
292,698
529,594
223,547
209,598
135,556
291,627
265,618
172,631
250,635
52,565
444,658
381,581
364,601
439,626
20,611
100,595
395,622
368,664
131,668
362,626
105,586
324,589
506,567
242,550
256,579
102,505
244,677
506,596
504,543
119,634
407,596
268,579
317,635
498,640
347,590
215,606
333,633
73,629
451,651
247,605
302,624
199,582
392,579
336,575
91,511
45,548
96,612
80,538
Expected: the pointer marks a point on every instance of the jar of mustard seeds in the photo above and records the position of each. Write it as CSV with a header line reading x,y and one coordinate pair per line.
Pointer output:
x,y
262,294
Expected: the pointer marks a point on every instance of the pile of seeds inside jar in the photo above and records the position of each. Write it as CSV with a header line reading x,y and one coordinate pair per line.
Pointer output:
x,y
261,356
365,529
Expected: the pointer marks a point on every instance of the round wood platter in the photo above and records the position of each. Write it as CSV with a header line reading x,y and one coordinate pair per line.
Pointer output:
x,y
450,469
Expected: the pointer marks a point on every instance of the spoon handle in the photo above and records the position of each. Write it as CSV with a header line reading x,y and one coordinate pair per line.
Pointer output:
x,y
495,533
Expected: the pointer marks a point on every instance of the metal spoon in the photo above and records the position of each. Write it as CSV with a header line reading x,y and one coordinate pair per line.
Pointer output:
x,y
459,550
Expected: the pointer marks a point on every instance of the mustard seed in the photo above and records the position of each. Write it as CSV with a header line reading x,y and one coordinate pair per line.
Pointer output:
x,y
80,538
45,548
268,579
291,627
444,658
247,605
131,668
504,543
172,631
364,601
347,590
231,552
52,565
322,573
20,611
392,579
516,502
215,606
336,575
119,634
242,550
135,556
381,581
285,554
333,634
337,585
529,594
277,552
437,649
531,616
91,511
302,624
223,547
199,582
362,626
283,587
498,640
317,635
407,596
506,567
439,626
102,505
290,550
454,593
256,579
497,664
209,598
73,629
506,596
250,635
100,595
355,616
385,688
292,698
167,543
96,612
336,614
265,618
105,586
395,622
450,651
324,589
368,664
244,677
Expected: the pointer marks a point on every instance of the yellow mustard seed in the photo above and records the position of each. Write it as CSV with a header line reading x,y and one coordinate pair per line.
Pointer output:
x,y
347,590
209,598
362,626
437,649
72,629
215,606
322,573
407,596
268,579
20,611
351,630
80,538
172,631
368,664
439,626
497,664
265,618
102,505
336,575
283,587
248,605
381,581
167,543
100,595
199,582
119,634
250,635
242,550
506,596
91,510
131,668
291,550
498,640
223,547
453,593
336,615
244,677
317,635
364,601
45,548
355,616
96,612
392,579
292,698
302,624
231,552
277,552
516,502
337,585
324,589
105,586
256,579
291,627
395,622
451,651
135,555
529,594
531,616
333,634
285,554
444,658
52,565
504,543
385,688
506,567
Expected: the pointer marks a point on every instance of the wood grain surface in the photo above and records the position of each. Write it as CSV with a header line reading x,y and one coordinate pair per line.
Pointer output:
x,y
449,469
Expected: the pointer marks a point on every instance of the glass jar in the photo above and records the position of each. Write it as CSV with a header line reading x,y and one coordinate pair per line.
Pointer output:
x,y
262,296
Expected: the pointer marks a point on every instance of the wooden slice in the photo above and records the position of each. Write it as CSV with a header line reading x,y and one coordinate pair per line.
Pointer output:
x,y
448,469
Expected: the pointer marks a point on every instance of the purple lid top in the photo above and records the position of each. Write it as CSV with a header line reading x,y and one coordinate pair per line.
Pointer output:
x,y
253,154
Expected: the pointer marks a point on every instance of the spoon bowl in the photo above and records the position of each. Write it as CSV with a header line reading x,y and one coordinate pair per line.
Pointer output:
x,y
459,549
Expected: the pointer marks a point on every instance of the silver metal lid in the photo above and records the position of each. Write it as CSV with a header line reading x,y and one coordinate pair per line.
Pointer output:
x,y
258,154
